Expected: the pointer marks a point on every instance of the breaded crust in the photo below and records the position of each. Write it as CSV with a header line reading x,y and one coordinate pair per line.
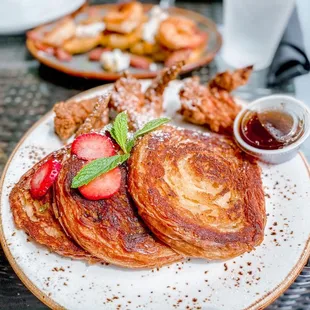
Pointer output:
x,y
213,105
70,115
198,193
109,228
140,106
39,222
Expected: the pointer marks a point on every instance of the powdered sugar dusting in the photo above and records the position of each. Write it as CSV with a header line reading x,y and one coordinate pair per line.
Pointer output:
x,y
161,135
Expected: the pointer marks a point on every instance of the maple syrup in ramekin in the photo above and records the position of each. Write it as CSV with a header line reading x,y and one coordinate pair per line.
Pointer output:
x,y
270,129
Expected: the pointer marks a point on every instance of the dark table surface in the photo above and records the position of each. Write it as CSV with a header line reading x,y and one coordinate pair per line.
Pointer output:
x,y
28,90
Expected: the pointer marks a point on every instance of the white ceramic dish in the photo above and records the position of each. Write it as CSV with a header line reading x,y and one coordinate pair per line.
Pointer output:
x,y
251,281
17,16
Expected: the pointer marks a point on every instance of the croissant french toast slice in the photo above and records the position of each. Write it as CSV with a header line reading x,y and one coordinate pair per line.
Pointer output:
x,y
198,193
37,218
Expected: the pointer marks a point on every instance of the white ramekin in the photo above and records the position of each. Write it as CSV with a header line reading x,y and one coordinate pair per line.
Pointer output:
x,y
280,155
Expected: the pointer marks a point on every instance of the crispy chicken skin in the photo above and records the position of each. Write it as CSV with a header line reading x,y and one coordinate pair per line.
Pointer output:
x,y
71,115
127,95
229,81
213,104
98,117
154,94
141,106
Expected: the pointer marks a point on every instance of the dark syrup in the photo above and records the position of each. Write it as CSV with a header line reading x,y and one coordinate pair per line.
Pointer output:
x,y
270,130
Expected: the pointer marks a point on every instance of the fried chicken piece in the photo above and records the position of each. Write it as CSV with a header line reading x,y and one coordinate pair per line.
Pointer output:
x,y
199,106
213,105
229,81
127,95
98,118
71,115
154,93
142,107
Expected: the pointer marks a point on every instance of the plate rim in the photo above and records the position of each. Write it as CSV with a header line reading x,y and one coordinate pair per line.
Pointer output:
x,y
111,76
263,302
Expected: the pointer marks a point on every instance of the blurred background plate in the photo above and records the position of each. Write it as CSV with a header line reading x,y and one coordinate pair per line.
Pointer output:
x,y
80,65
13,19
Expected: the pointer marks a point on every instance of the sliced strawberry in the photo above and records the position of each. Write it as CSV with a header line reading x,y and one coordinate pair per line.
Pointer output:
x,y
93,145
62,55
103,186
44,178
95,54
177,56
44,47
140,62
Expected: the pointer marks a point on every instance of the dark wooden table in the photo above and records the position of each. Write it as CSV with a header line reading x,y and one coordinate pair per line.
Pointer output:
x,y
28,90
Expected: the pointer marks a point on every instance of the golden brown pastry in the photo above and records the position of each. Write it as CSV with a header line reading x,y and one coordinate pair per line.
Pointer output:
x,y
82,45
198,193
62,31
144,48
121,40
125,17
37,218
108,228
178,32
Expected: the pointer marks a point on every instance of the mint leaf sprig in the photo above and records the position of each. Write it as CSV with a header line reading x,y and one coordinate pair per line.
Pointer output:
x,y
119,132
97,167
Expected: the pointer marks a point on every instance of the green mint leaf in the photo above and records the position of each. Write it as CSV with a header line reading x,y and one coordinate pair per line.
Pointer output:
x,y
44,207
97,167
119,130
130,144
151,126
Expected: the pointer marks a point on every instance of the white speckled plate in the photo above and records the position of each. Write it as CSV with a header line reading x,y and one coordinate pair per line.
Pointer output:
x,y
251,281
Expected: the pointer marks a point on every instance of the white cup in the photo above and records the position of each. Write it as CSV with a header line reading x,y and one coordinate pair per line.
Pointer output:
x,y
253,30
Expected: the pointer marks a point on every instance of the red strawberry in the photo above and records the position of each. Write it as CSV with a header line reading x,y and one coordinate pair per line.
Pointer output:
x,y
140,62
93,145
62,55
44,178
103,186
95,54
